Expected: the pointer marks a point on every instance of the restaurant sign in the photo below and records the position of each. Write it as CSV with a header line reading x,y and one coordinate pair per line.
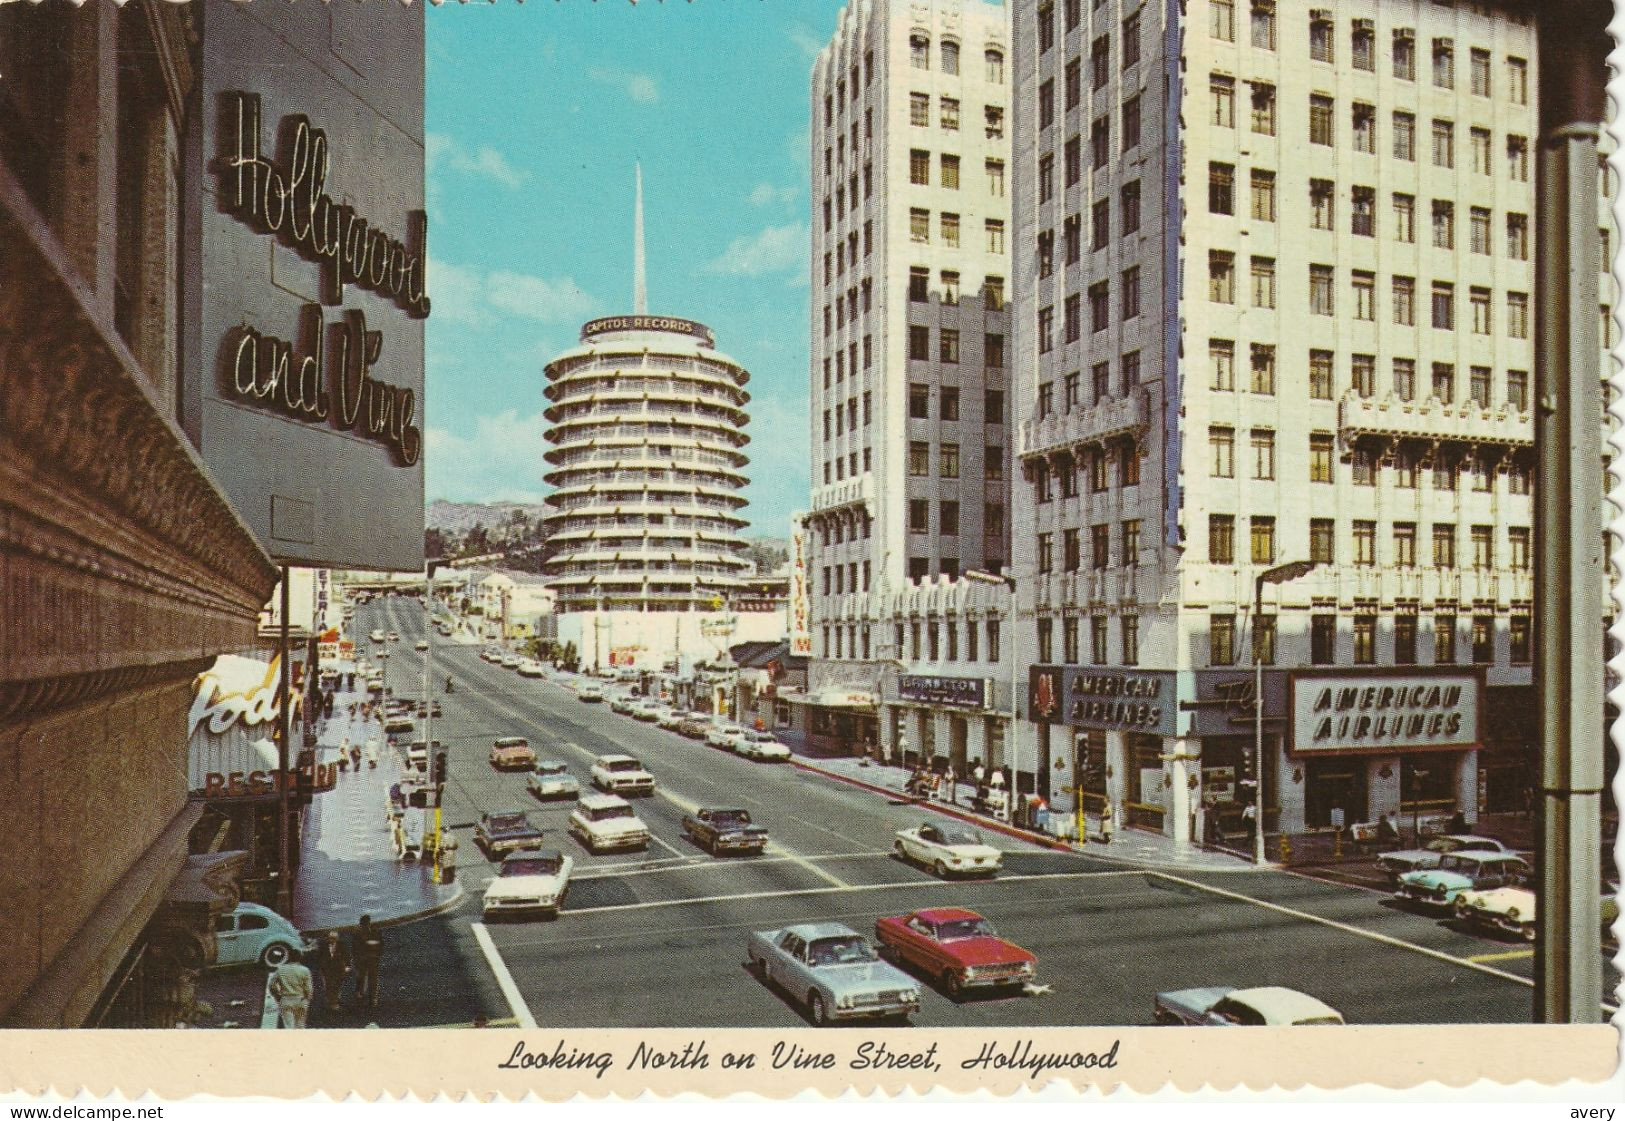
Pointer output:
x,y
229,752
955,692
799,607
1344,714
1115,700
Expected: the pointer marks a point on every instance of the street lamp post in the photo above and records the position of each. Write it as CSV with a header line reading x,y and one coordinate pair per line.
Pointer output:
x,y
1280,574
1009,582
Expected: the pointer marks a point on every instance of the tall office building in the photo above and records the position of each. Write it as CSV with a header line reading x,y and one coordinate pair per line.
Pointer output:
x,y
1273,304
909,395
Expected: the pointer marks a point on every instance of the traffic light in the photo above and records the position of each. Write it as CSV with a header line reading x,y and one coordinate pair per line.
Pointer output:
x,y
439,774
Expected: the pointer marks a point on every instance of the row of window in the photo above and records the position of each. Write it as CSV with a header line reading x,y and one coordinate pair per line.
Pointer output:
x,y
1100,544
919,518
919,291
919,55
919,229
935,640
846,359
846,197
1322,378
841,467
1323,640
919,171
948,346
1364,463
845,578
1099,638
1094,463
846,419
919,115
1363,289
1221,543
845,253
1129,307
1100,385
919,403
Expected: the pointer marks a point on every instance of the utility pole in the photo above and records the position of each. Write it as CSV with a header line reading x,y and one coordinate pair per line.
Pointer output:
x,y
1569,500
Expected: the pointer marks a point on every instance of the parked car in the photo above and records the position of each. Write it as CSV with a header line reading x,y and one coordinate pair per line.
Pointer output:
x,y
417,755
1266,1006
722,733
646,710
491,654
398,723
833,970
671,718
957,947
552,779
529,882
946,849
621,702
511,661
377,636
761,745
621,774
424,709
421,644
1508,909
589,691
724,830
512,753
394,636
506,831
1459,872
254,933
605,821
694,727
529,667
1395,864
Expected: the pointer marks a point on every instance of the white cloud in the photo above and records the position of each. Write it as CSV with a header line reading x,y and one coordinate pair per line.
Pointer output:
x,y
500,461
805,41
535,297
765,194
442,151
774,249
469,297
639,87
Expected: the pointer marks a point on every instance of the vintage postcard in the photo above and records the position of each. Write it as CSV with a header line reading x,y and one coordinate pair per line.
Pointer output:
x,y
904,545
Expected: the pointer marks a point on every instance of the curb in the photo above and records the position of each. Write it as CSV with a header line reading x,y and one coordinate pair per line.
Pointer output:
x,y
447,904
946,811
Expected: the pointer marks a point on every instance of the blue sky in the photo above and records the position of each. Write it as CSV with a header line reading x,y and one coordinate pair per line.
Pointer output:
x,y
536,114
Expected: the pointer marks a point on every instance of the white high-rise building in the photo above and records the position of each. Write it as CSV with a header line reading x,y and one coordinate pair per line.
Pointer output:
x,y
646,446
1273,303
911,454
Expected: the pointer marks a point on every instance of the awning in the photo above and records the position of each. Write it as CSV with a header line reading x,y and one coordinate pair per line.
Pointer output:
x,y
832,696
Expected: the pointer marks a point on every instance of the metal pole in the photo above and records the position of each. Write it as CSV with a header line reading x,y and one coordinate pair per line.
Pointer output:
x,y
428,716
1258,727
284,888
1569,669
1015,711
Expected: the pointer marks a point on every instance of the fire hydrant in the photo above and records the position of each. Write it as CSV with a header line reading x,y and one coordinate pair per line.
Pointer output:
x,y
448,858
1285,848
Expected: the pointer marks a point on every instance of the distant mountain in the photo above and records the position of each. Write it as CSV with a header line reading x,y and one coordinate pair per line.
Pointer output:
x,y
460,517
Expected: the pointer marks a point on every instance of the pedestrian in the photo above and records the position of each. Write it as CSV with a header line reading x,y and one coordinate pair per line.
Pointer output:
x,y
369,952
291,988
355,757
335,967
951,781
1387,835
978,773
1108,823
1458,823
1249,818
1213,834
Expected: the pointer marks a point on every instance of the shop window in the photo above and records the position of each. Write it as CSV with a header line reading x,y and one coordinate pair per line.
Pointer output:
x,y
1427,783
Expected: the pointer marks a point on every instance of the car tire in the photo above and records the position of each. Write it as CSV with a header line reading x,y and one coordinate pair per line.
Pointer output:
x,y
275,954
1527,932
817,1010
1462,911
758,968
898,851
953,984
940,869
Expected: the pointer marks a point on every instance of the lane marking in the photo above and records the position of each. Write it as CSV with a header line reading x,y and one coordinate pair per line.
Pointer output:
x,y
807,865
653,904
668,847
1505,955
510,991
1347,928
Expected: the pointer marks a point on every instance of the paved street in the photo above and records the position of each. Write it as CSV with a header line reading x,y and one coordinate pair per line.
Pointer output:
x,y
657,938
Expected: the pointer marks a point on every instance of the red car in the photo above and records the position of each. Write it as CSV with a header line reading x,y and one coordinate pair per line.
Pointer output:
x,y
957,947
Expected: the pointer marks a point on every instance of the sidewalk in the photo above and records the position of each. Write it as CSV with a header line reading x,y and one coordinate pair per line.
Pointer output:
x,y
1131,846
347,864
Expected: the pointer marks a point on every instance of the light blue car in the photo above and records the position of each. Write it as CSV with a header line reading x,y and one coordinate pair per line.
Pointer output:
x,y
833,970
255,933
1460,872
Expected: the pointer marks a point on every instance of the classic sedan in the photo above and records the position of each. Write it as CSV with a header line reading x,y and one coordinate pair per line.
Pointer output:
x,y
255,933
529,881
723,830
946,849
834,970
723,734
603,821
647,711
1396,864
506,831
512,752
694,727
956,947
763,746
552,779
1508,909
421,644
672,718
1267,1006
590,691
1460,872
621,774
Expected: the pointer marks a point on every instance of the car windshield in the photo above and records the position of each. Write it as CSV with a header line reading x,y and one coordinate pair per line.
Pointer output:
x,y
762,737
532,866
550,769
961,837
608,812
840,951
1444,844
513,741
507,821
730,817
955,929
625,765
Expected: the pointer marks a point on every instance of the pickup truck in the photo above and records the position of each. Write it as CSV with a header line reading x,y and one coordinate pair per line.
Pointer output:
x,y
720,830
506,831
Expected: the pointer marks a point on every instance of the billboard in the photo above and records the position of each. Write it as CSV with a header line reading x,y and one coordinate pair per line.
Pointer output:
x,y
306,251
1387,712
800,612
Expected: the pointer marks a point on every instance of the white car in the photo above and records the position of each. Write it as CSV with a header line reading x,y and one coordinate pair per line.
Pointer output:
x,y
646,710
946,849
530,667
723,734
421,644
622,703
1223,1006
589,691
377,636
761,745
1510,909
511,661
529,881
604,821
552,779
621,774
670,717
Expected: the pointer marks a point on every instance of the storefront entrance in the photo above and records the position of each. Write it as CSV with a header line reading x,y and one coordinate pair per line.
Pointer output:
x,y
1334,784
